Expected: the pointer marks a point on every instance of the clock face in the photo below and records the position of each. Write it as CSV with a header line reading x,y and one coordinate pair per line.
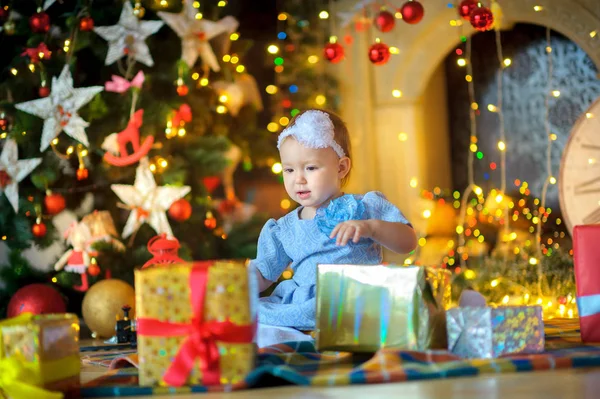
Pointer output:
x,y
579,180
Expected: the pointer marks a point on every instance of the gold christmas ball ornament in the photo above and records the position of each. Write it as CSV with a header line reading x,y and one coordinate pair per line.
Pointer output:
x,y
102,306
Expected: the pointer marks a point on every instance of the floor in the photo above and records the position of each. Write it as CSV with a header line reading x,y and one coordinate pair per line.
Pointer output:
x,y
560,384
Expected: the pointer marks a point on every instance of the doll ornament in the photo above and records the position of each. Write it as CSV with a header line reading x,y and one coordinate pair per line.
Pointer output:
x,y
96,227
77,259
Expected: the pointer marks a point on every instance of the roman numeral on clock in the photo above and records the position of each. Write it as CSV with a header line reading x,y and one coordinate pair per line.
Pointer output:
x,y
591,146
588,186
593,217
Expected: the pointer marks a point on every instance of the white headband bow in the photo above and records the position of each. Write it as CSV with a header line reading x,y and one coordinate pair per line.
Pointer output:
x,y
313,129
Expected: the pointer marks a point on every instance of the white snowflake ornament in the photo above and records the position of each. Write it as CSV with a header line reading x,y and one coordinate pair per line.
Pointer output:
x,y
147,201
13,170
128,37
59,109
195,34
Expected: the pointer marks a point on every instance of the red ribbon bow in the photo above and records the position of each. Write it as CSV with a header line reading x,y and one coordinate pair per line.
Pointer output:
x,y
202,336
37,53
183,114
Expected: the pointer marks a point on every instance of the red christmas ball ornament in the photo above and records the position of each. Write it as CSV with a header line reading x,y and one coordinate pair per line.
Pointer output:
x,y
3,13
4,123
385,21
54,203
466,7
379,53
39,229
36,299
482,19
86,24
180,210
93,270
39,22
562,300
182,90
412,12
82,173
333,52
210,222
44,91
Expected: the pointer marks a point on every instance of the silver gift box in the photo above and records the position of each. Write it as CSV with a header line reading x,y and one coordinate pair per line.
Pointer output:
x,y
363,308
485,332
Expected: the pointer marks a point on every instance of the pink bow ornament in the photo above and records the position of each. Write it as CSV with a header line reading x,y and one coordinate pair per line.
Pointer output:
x,y
119,84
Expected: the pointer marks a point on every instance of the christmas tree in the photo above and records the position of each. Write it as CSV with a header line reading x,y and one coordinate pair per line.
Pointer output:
x,y
130,119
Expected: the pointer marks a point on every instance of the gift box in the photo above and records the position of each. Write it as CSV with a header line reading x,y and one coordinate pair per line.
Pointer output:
x,y
40,351
485,332
196,323
363,308
586,258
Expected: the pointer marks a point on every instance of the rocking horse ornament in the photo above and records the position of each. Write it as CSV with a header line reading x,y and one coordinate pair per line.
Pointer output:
x,y
116,143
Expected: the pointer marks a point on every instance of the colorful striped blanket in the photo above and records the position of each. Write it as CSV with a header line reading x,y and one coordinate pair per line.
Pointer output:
x,y
300,364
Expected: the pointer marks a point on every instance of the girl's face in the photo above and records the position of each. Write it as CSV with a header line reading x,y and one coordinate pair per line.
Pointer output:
x,y
311,175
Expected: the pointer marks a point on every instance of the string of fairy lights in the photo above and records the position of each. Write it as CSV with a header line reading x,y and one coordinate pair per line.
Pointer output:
x,y
550,137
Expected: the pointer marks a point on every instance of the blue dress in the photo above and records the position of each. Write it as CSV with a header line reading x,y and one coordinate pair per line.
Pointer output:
x,y
302,244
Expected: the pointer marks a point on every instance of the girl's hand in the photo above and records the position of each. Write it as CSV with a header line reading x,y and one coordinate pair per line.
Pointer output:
x,y
351,230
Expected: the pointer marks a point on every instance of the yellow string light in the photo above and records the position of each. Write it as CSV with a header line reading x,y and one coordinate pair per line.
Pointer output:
x,y
277,168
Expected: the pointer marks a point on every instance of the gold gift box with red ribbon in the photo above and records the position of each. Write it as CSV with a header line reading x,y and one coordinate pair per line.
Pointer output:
x,y
38,354
196,323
